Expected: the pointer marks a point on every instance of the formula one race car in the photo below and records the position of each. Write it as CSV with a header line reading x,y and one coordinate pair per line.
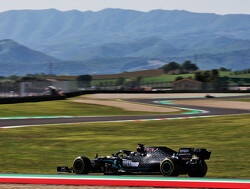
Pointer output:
x,y
146,160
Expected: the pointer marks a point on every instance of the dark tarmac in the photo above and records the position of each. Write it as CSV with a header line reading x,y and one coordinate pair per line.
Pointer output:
x,y
209,111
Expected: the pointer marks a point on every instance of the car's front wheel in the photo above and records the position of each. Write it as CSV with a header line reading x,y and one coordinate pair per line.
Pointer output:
x,y
81,165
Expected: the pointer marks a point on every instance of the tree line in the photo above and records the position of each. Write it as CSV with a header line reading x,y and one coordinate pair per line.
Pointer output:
x,y
174,67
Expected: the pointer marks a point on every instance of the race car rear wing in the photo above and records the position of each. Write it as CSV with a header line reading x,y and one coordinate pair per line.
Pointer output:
x,y
202,153
187,153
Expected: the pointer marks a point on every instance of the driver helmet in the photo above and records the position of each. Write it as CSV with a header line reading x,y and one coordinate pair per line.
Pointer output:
x,y
140,148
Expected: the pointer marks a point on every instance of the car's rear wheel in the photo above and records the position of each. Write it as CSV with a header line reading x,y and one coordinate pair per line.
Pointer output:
x,y
169,167
81,165
198,170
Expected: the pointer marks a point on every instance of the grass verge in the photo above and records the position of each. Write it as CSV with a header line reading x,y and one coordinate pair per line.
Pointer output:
x,y
241,100
40,149
64,108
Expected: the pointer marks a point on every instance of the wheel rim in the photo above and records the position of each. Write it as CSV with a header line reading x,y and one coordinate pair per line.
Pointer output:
x,y
167,167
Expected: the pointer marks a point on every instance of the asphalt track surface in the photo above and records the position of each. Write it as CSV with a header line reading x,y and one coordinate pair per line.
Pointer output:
x,y
209,111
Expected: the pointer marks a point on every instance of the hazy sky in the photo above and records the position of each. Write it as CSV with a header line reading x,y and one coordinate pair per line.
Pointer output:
x,y
210,6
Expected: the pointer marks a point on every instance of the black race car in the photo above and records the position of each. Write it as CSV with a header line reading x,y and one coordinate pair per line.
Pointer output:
x,y
146,160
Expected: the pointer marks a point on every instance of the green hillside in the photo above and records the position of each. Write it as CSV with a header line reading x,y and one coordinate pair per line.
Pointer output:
x,y
161,77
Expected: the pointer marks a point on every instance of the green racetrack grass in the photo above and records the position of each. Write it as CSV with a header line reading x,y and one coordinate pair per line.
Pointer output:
x,y
64,108
40,149
241,100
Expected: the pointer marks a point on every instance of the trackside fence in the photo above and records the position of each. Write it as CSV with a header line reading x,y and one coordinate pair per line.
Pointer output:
x,y
42,88
35,88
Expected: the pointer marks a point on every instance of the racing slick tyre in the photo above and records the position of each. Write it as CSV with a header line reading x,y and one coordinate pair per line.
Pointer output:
x,y
170,167
198,170
81,165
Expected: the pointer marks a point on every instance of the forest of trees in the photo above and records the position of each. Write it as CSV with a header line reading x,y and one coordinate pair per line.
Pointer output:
x,y
186,67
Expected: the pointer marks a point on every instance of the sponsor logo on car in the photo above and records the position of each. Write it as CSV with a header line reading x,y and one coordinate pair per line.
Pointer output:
x,y
129,163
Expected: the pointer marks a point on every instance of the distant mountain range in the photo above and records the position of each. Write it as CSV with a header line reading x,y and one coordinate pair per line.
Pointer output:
x,y
116,40
18,59
11,51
